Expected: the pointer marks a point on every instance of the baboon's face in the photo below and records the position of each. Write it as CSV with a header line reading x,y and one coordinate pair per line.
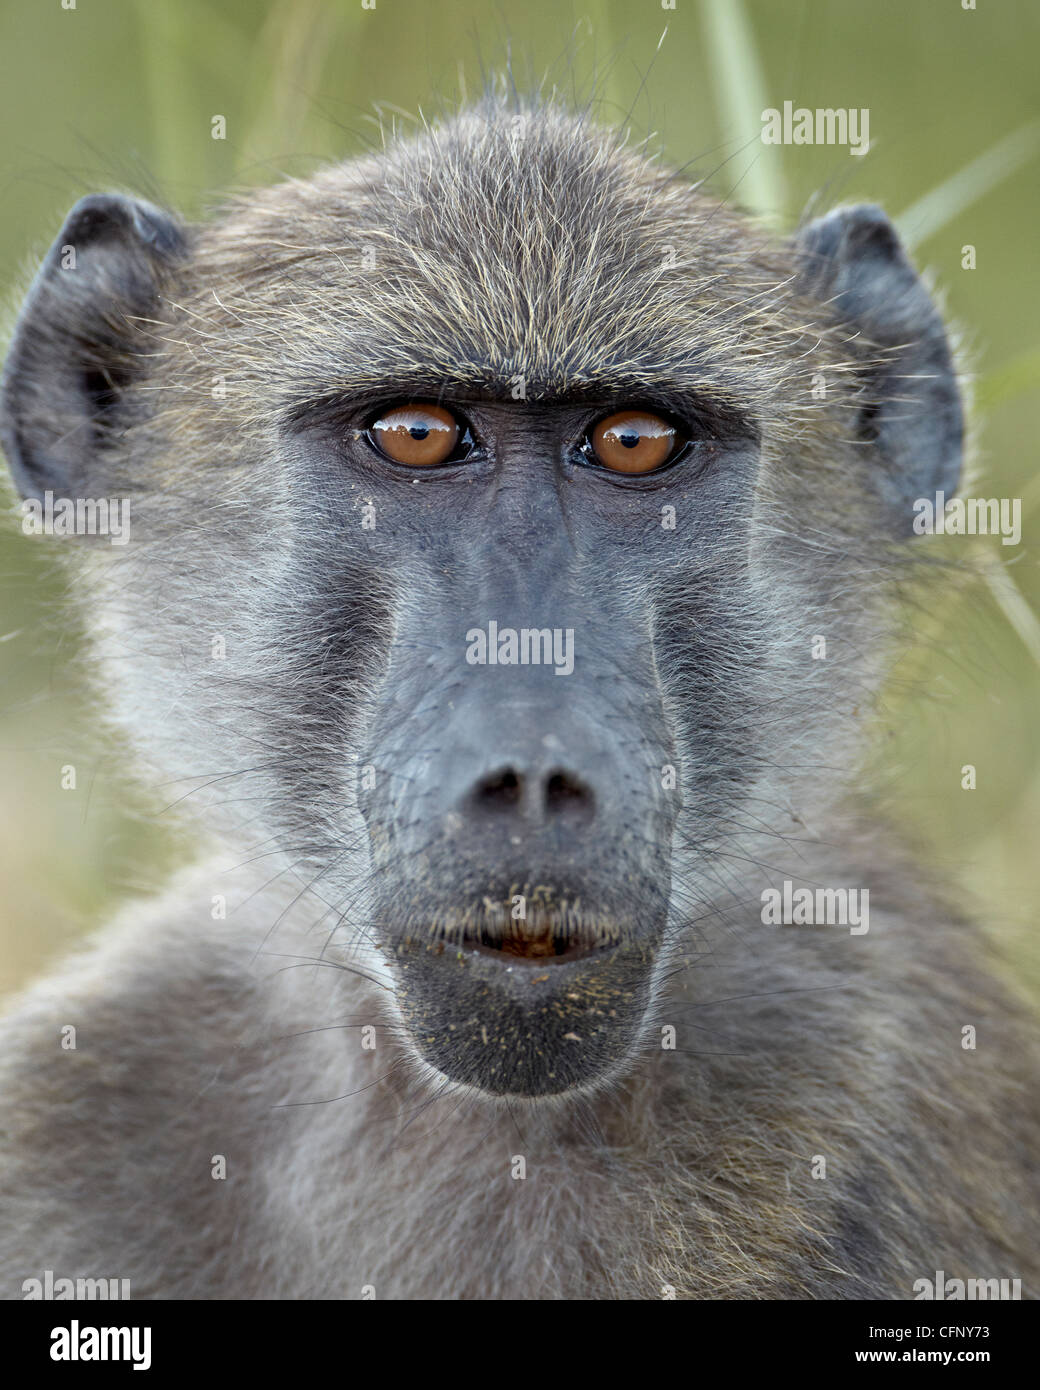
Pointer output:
x,y
519,762
487,500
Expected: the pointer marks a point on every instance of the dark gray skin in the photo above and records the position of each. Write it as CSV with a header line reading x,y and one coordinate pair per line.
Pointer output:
x,y
512,779
603,282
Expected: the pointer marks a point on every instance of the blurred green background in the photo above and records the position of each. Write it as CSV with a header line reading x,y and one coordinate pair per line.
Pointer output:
x,y
122,93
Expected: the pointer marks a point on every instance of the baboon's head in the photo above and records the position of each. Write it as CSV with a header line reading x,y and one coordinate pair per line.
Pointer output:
x,y
489,502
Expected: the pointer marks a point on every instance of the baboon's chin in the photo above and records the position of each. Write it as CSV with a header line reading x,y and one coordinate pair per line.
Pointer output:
x,y
525,1017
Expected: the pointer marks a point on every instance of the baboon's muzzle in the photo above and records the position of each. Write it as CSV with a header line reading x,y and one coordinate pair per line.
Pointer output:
x,y
521,841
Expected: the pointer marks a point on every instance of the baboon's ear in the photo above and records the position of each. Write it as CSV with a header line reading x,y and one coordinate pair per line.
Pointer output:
x,y
853,259
79,338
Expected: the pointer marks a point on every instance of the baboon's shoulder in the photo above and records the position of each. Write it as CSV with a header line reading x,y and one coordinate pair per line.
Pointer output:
x,y
122,1075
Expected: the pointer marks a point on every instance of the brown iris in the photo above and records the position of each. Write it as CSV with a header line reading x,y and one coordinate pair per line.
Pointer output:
x,y
633,441
418,435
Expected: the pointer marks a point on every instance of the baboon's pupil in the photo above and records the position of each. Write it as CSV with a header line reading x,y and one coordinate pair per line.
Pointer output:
x,y
629,440
419,431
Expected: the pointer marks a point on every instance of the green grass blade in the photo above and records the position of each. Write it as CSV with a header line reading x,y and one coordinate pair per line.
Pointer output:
x,y
1006,383
1012,604
942,204
741,95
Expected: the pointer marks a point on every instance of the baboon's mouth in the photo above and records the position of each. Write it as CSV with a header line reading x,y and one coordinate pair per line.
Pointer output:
x,y
539,947
547,935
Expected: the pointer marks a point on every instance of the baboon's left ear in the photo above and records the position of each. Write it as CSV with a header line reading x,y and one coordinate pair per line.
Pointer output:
x,y
82,339
853,260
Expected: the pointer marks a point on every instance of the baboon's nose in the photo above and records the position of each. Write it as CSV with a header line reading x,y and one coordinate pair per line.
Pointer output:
x,y
554,794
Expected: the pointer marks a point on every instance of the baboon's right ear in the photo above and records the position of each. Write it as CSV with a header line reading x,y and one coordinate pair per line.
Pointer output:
x,y
852,259
80,338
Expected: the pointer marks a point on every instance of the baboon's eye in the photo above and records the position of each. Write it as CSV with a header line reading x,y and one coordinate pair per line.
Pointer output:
x,y
633,441
419,435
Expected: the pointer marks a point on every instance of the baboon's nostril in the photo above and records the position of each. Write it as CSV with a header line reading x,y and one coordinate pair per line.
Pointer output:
x,y
566,795
558,795
501,789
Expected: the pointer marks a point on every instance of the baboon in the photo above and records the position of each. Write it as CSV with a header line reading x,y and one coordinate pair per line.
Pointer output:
x,y
489,500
